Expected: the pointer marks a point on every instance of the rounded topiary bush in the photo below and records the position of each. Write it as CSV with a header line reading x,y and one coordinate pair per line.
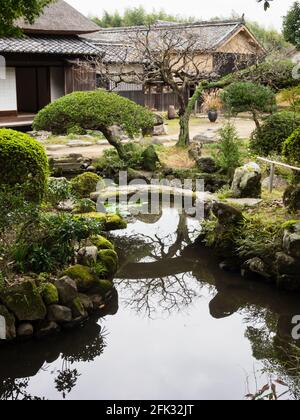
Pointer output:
x,y
23,163
93,111
273,133
291,147
85,184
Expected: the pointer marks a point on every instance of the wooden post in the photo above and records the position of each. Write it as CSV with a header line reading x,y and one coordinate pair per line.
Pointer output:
x,y
272,173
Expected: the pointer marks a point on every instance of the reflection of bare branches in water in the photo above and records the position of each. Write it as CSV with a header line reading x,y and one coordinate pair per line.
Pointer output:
x,y
159,280
165,295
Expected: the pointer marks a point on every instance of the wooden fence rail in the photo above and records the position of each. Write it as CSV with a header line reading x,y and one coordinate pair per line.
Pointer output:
x,y
273,164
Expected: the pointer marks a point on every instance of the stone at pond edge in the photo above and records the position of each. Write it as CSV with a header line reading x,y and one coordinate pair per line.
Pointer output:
x,y
227,214
291,243
257,266
25,330
109,258
87,255
247,181
291,198
150,159
10,329
287,265
101,243
47,328
67,289
49,293
86,302
59,314
25,301
77,308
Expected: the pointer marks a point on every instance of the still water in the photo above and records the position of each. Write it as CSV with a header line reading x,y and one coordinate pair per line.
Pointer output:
x,y
180,328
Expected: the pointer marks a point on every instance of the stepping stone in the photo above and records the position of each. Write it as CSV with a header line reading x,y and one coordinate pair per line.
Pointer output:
x,y
79,143
244,202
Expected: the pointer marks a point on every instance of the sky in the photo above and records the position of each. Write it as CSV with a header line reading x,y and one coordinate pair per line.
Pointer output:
x,y
202,9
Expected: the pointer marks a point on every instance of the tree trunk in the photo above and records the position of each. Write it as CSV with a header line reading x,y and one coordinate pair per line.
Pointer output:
x,y
113,136
185,115
184,134
256,120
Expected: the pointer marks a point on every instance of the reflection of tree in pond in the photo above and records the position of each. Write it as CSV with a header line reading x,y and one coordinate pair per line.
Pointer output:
x,y
19,363
15,389
272,343
66,379
155,274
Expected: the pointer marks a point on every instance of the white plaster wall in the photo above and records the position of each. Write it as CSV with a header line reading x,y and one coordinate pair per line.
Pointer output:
x,y
57,82
8,91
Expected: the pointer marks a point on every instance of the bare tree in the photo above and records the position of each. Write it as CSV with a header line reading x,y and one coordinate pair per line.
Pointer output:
x,y
178,60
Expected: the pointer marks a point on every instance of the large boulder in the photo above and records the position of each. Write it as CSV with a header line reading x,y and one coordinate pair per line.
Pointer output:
x,y
291,240
67,290
207,164
291,198
59,314
24,301
150,159
87,255
247,181
172,114
7,324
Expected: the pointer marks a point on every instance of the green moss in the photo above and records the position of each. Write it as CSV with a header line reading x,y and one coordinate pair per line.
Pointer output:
x,y
289,225
101,271
84,277
49,293
109,258
77,308
114,222
85,184
85,205
110,221
25,301
101,243
103,287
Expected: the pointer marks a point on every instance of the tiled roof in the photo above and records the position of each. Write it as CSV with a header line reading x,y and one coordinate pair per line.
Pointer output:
x,y
210,34
58,45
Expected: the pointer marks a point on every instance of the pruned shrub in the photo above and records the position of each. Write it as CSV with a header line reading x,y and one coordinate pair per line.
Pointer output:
x,y
229,156
85,184
249,97
273,133
291,147
96,110
24,163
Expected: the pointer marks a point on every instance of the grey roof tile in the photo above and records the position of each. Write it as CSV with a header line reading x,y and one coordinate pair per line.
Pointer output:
x,y
46,44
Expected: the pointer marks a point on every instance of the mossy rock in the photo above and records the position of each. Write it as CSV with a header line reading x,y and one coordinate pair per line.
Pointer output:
x,y
101,243
114,222
10,323
103,287
25,301
84,277
101,271
77,308
109,258
49,293
110,221
85,184
150,159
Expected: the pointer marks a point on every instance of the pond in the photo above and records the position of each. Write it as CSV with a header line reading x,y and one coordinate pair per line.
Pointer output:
x,y
179,329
